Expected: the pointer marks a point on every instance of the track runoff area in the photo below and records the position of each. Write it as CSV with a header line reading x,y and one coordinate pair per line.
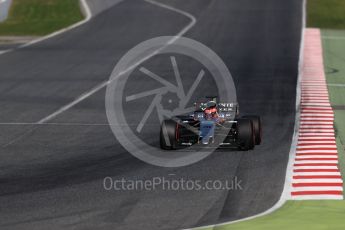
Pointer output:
x,y
315,172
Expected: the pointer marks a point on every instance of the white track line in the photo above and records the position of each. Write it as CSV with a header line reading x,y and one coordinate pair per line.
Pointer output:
x,y
318,162
316,126
324,135
318,188
319,145
316,167
317,173
316,123
314,138
103,84
315,142
330,157
318,197
316,119
88,16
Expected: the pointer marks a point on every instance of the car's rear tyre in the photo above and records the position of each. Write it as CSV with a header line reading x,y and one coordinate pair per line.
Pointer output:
x,y
257,128
245,134
168,135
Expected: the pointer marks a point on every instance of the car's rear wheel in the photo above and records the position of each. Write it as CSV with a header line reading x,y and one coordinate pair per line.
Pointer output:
x,y
168,134
257,128
245,134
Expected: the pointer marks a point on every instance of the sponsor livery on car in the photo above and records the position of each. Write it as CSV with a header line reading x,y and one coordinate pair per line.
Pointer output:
x,y
211,124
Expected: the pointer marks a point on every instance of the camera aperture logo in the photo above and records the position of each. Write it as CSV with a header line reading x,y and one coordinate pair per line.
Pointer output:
x,y
160,79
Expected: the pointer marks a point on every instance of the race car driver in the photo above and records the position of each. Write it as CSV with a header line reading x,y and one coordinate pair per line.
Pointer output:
x,y
211,113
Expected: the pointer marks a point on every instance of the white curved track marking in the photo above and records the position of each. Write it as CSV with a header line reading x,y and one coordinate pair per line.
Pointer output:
x,y
105,83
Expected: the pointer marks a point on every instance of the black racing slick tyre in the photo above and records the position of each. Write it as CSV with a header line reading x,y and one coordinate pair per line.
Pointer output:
x,y
257,128
245,134
168,135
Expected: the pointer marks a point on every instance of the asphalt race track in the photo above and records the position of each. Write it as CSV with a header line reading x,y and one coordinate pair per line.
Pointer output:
x,y
51,175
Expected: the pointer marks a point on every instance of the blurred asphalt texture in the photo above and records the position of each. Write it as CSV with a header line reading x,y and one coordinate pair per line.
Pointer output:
x,y
51,175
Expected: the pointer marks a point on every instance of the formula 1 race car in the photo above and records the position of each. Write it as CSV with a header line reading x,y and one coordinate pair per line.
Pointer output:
x,y
211,124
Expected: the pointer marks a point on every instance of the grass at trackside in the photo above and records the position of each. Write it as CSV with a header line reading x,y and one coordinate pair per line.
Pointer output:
x,y
40,17
297,215
326,14
334,62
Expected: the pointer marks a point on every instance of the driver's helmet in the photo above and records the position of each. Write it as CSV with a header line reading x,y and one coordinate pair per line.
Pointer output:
x,y
210,111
